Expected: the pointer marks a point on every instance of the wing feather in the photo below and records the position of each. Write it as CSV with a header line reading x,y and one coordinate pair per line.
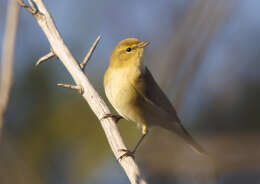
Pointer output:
x,y
149,89
160,109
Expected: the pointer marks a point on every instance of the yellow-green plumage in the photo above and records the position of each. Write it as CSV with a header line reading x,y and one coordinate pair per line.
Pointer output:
x,y
134,93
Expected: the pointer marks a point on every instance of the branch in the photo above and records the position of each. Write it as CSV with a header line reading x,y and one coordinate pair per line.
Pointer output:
x,y
7,58
90,95
89,54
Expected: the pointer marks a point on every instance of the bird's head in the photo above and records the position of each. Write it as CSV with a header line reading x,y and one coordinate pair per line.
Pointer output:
x,y
128,52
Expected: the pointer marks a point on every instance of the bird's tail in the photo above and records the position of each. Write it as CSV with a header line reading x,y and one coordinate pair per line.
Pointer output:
x,y
184,134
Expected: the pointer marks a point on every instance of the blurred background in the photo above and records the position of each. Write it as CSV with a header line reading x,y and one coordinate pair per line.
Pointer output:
x,y
203,53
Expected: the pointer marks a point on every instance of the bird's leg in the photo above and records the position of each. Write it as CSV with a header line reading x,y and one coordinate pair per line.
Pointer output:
x,y
115,117
131,153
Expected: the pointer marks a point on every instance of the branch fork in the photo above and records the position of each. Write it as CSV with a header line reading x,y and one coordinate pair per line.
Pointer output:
x,y
33,10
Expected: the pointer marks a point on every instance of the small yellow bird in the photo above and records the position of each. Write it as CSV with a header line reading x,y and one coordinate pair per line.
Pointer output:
x,y
133,92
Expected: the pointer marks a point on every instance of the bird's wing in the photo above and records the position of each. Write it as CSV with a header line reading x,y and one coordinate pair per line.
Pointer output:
x,y
157,103
146,86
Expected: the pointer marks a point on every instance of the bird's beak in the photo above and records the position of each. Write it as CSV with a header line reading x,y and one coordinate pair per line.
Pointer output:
x,y
143,44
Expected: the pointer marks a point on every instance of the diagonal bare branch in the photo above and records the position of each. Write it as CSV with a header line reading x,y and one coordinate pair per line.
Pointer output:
x,y
90,95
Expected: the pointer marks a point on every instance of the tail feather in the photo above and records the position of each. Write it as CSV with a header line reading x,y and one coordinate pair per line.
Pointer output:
x,y
184,134
194,145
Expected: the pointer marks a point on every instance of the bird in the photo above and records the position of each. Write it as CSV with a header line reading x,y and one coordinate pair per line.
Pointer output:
x,y
135,95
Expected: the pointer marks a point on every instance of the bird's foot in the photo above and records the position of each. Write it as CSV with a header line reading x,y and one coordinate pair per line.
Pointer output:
x,y
126,154
116,118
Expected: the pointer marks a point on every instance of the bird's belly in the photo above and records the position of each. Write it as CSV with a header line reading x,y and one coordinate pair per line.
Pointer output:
x,y
124,99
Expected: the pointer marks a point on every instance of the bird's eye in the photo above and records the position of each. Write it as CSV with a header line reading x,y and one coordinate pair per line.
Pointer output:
x,y
128,49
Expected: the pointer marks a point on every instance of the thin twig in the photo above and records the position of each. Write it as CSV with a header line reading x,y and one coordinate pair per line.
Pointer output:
x,y
7,58
77,88
32,10
45,58
89,54
90,95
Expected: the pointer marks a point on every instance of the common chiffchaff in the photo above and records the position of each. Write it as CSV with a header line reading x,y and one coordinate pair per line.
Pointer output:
x,y
133,92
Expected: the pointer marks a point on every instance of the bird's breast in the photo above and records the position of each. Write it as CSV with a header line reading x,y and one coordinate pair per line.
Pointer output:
x,y
120,92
